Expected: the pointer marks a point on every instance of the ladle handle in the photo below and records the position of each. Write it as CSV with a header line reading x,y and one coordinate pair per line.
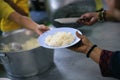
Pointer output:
x,y
3,58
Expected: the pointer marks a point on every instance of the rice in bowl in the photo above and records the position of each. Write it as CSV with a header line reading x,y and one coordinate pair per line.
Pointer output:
x,y
59,39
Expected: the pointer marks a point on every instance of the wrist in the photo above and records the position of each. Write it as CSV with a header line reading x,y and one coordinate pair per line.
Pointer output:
x,y
101,16
90,50
95,54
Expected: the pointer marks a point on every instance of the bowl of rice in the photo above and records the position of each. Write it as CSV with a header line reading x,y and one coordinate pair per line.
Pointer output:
x,y
59,38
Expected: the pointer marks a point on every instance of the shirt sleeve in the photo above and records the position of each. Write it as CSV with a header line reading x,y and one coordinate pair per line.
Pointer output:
x,y
5,9
23,4
110,63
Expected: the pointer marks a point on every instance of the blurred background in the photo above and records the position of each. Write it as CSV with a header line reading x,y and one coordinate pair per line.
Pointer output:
x,y
45,11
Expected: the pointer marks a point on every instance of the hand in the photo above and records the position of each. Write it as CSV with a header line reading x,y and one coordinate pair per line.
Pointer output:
x,y
88,18
84,46
41,29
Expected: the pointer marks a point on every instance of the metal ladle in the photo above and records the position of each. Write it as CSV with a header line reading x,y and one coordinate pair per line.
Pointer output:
x,y
2,46
15,46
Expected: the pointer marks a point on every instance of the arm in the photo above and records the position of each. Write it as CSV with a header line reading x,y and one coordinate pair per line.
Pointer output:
x,y
109,61
112,15
93,17
8,13
27,23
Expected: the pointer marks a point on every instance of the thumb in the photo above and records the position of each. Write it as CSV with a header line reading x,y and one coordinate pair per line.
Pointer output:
x,y
79,35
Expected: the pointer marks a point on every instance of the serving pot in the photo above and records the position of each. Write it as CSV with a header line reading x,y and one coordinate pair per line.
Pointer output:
x,y
68,8
25,63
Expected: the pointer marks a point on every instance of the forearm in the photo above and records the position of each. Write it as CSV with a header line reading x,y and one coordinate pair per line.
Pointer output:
x,y
23,21
109,15
28,23
108,61
117,15
112,15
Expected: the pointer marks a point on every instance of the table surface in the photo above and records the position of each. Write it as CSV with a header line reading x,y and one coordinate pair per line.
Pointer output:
x,y
72,65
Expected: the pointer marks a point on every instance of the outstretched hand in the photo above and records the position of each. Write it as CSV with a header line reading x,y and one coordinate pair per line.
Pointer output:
x,y
88,18
84,45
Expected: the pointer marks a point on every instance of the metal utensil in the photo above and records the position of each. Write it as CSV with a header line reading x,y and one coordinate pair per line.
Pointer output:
x,y
66,20
69,20
2,46
15,46
23,60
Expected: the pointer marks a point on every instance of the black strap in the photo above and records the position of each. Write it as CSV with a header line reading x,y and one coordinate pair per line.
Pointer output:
x,y
91,49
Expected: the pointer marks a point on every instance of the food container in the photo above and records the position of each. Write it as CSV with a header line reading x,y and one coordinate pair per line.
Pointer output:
x,y
25,63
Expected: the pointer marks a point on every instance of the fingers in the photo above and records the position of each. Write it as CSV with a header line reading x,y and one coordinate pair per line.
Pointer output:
x,y
88,18
82,19
41,29
79,35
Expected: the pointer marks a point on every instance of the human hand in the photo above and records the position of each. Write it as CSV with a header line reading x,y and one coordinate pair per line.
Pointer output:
x,y
84,45
88,18
41,29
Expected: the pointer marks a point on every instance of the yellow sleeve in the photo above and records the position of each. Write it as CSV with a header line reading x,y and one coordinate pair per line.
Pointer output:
x,y
23,4
5,10
6,24
99,4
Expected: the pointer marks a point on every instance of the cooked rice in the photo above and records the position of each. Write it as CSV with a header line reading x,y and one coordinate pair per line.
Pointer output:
x,y
59,39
